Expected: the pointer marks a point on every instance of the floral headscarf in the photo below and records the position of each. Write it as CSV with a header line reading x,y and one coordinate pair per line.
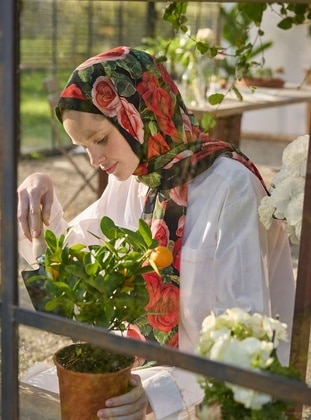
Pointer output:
x,y
137,95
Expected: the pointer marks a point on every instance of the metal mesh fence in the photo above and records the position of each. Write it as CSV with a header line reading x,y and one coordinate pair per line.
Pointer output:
x,y
57,35
61,33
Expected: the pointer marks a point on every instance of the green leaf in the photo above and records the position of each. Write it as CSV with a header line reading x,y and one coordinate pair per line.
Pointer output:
x,y
76,270
110,247
96,284
237,93
207,122
62,305
299,18
174,13
131,238
92,268
91,265
254,11
216,98
202,47
300,9
286,23
145,231
56,288
107,226
104,320
77,247
50,239
35,277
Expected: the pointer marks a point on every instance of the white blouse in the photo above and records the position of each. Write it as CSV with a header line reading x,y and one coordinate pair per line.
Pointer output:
x,y
228,260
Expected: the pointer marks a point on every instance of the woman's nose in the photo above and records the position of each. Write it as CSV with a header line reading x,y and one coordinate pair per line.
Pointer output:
x,y
95,159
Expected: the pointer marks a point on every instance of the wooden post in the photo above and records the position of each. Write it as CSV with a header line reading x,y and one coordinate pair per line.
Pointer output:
x,y
302,312
308,80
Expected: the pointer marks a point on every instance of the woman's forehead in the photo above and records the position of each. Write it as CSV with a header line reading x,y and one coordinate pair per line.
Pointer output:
x,y
83,124
81,116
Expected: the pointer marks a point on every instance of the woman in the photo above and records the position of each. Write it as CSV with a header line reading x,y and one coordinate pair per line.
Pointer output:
x,y
199,196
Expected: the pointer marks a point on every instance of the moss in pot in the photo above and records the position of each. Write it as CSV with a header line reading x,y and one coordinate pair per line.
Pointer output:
x,y
87,358
100,285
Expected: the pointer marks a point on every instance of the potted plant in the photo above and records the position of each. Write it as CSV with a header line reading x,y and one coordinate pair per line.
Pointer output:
x,y
249,341
263,77
100,285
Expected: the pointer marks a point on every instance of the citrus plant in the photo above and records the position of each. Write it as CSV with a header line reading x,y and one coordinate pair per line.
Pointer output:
x,y
161,256
101,284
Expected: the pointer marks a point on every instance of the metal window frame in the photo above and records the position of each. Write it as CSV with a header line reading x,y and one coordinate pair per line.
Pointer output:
x,y
13,315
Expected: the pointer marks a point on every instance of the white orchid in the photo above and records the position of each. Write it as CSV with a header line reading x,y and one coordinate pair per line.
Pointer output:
x,y
294,157
245,340
249,398
285,201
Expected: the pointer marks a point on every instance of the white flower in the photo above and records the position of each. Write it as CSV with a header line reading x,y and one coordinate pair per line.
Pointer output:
x,y
287,190
237,315
250,398
294,156
245,340
274,329
205,34
249,353
294,218
266,209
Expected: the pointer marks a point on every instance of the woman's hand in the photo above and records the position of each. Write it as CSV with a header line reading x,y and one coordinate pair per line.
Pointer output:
x,y
130,406
35,198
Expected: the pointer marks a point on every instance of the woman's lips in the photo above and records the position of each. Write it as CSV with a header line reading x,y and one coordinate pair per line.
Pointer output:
x,y
109,169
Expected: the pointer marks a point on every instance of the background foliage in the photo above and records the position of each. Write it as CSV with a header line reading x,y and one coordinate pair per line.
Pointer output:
x,y
238,22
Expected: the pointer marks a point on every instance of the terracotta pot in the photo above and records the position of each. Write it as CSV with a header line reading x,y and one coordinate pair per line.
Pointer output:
x,y
83,394
262,82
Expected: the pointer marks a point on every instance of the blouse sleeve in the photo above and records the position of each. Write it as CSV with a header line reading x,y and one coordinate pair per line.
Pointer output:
x,y
172,393
121,200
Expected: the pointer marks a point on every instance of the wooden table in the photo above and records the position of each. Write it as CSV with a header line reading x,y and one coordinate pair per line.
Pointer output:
x,y
37,404
229,113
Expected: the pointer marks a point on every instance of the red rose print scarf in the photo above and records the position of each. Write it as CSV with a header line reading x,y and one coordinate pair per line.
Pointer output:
x,y
139,97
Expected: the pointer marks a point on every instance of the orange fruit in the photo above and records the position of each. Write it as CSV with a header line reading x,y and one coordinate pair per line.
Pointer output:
x,y
54,273
161,256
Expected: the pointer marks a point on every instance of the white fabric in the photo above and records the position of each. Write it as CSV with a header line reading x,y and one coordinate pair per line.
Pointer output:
x,y
228,258
43,376
159,383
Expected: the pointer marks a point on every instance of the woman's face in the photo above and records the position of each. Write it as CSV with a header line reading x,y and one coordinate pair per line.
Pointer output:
x,y
105,145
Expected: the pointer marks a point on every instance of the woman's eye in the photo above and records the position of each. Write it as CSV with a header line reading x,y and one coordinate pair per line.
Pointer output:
x,y
103,140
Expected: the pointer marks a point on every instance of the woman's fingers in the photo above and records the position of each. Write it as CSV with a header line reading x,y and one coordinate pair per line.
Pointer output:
x,y
35,198
129,406
22,215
